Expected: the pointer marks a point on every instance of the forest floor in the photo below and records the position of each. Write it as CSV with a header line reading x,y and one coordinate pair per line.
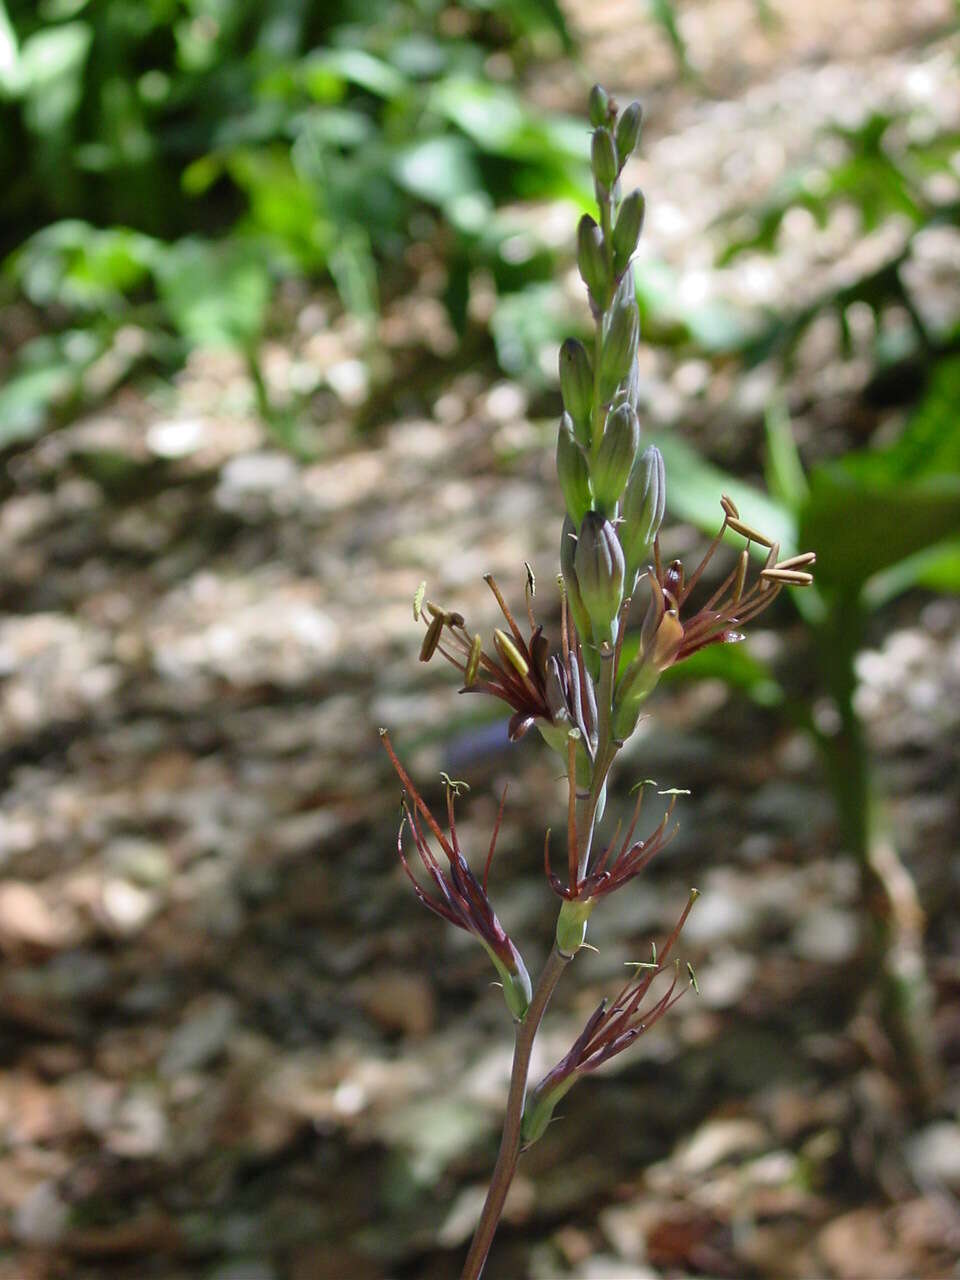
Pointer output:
x,y
233,1045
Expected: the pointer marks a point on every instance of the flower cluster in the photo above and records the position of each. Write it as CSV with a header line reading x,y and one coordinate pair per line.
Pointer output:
x,y
611,1028
461,899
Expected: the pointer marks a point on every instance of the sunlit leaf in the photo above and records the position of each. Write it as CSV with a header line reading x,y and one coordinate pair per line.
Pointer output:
x,y
694,487
216,294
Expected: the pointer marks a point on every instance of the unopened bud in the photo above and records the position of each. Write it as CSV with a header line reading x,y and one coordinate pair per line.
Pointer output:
x,y
592,261
603,159
599,106
571,583
572,924
539,1108
626,232
600,568
642,508
572,470
615,457
517,988
576,387
628,131
619,350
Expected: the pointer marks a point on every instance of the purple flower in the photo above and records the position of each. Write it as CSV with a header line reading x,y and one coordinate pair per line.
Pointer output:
x,y
460,897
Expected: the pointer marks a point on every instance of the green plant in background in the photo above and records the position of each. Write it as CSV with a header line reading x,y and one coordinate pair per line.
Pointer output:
x,y
892,165
585,696
881,521
169,164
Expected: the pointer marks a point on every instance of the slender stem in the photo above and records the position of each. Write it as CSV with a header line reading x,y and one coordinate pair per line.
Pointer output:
x,y
510,1142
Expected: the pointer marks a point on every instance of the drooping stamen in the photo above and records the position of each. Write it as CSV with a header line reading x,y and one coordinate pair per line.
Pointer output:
x,y
748,532
795,577
493,839
798,562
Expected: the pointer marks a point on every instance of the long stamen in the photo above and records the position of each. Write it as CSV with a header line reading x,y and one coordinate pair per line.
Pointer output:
x,y
707,557
491,583
417,798
493,839
572,851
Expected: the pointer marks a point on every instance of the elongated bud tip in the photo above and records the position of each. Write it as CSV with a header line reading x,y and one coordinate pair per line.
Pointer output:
x,y
599,565
628,130
572,925
626,232
644,505
615,457
576,387
599,106
603,158
572,471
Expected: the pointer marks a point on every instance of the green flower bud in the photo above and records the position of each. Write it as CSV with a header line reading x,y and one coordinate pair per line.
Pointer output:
x,y
603,159
571,584
619,350
538,1111
592,261
615,457
517,988
599,563
661,636
572,471
628,131
599,106
572,924
576,386
626,232
642,509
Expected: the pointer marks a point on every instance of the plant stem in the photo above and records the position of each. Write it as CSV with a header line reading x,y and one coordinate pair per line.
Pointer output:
x,y
510,1141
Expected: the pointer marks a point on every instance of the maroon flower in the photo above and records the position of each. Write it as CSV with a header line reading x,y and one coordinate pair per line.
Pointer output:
x,y
733,603
609,1030
543,689
461,898
607,876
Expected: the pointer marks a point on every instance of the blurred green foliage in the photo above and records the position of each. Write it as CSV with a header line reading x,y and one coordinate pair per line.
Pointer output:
x,y
893,168
169,161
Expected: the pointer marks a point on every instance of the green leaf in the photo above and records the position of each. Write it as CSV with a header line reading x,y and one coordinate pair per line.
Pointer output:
x,y
694,487
10,72
357,67
784,470
77,265
47,374
736,666
215,294
874,508
443,171
859,527
500,123
937,568
929,444
51,67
